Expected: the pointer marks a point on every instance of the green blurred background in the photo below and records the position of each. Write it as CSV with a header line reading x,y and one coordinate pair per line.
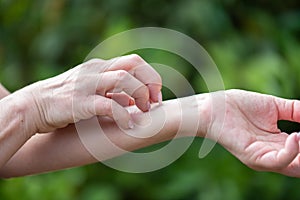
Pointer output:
x,y
255,44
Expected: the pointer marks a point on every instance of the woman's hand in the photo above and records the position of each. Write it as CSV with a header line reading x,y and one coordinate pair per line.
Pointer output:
x,y
250,131
97,87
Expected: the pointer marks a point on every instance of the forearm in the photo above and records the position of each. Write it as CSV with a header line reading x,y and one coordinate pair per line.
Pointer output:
x,y
64,149
15,126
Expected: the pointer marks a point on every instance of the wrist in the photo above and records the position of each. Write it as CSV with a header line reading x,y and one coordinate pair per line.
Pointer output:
x,y
23,107
16,124
195,117
188,116
39,102
212,108
204,114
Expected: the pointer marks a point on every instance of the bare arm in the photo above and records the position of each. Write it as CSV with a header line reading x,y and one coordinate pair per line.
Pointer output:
x,y
89,89
63,148
15,129
249,131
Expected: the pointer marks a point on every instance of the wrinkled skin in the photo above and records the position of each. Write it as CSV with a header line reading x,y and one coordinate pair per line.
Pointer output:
x,y
97,87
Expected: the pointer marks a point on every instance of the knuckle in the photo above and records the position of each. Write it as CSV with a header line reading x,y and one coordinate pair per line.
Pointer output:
x,y
136,58
158,80
95,61
91,63
121,74
142,91
107,106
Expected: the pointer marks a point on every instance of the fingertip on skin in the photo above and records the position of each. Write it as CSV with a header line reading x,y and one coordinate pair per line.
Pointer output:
x,y
159,98
121,98
125,121
143,106
109,107
131,102
130,124
155,92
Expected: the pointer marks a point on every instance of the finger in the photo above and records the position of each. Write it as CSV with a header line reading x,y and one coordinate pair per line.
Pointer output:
x,y
121,98
288,109
142,71
102,106
153,90
277,160
287,155
120,80
294,168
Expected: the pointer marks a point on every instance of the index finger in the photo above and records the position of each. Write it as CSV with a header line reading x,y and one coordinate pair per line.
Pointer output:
x,y
140,69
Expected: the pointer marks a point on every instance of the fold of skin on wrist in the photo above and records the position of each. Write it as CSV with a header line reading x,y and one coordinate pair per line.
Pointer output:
x,y
64,149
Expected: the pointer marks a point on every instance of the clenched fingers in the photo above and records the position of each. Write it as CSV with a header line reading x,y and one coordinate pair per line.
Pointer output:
x,y
120,80
142,71
102,106
121,98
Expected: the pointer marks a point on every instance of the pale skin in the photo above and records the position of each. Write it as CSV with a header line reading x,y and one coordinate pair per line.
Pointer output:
x,y
249,132
93,88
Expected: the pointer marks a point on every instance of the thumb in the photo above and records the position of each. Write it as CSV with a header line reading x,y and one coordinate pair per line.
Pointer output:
x,y
288,109
102,106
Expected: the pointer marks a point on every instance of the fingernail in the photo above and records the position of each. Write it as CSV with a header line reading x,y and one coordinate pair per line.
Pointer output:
x,y
148,105
159,97
130,124
131,102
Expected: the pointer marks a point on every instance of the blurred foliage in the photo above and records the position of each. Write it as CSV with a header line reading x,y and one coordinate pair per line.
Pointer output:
x,y
255,44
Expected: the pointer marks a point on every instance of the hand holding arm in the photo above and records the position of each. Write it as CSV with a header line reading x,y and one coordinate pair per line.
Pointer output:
x,y
90,89
94,88
64,149
249,132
